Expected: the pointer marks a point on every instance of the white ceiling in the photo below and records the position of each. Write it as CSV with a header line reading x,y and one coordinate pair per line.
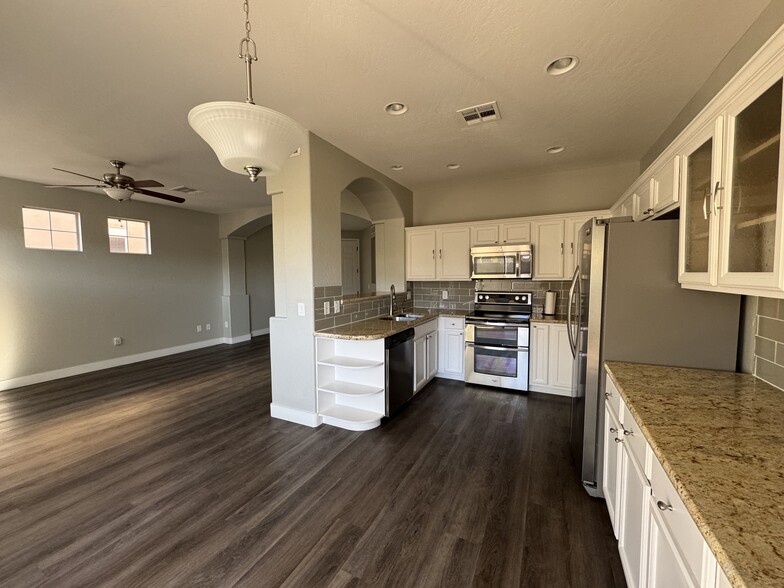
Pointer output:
x,y
86,81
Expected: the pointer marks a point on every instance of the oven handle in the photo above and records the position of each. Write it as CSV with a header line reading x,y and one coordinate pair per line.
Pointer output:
x,y
495,348
489,324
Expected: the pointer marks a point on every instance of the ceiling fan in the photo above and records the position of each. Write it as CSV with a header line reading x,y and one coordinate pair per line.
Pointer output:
x,y
119,186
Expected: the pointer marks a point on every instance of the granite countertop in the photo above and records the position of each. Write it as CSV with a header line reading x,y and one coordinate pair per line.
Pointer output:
x,y
720,438
375,328
559,319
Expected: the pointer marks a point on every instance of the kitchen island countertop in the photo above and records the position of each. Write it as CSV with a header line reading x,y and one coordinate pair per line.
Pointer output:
x,y
720,438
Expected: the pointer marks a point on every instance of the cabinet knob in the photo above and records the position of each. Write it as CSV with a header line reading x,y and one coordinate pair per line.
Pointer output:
x,y
625,432
613,430
618,440
608,394
648,211
663,505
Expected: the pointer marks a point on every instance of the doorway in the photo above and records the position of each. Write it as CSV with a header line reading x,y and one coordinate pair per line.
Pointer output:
x,y
349,260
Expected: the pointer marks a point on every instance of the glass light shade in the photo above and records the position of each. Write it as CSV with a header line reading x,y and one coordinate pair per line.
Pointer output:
x,y
247,135
119,194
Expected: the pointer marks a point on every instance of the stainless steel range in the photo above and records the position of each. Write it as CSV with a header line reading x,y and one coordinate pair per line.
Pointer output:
x,y
496,343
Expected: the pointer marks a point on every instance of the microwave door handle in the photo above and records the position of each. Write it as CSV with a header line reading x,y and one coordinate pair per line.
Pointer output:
x,y
569,317
517,265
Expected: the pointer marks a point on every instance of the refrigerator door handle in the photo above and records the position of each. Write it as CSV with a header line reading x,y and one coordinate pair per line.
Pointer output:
x,y
569,318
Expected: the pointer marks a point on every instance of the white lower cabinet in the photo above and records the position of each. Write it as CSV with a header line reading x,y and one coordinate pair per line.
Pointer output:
x,y
451,347
425,353
658,541
550,359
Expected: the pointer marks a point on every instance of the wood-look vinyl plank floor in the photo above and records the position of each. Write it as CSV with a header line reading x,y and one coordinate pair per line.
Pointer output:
x,y
171,472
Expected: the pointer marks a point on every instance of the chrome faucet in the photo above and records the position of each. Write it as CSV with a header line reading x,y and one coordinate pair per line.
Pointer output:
x,y
391,300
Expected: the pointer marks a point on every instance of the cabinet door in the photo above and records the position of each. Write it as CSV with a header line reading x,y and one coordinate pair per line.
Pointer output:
x,y
560,360
421,255
633,501
549,250
612,465
484,235
643,202
665,566
750,201
538,352
519,232
573,226
700,173
420,362
451,349
432,355
627,208
664,186
454,254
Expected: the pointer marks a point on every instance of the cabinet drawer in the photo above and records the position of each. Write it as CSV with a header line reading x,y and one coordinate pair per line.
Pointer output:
x,y
613,397
425,328
633,437
678,521
449,322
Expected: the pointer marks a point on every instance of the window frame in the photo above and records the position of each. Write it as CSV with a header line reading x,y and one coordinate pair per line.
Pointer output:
x,y
126,237
78,232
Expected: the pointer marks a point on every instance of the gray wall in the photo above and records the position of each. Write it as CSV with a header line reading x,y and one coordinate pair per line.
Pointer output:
x,y
763,28
259,275
512,195
62,309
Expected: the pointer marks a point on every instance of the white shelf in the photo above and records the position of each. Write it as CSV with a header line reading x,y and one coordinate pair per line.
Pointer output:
x,y
354,363
350,388
348,417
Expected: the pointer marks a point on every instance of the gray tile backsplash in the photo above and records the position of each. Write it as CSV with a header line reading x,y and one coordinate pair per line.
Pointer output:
x,y
354,309
769,341
460,295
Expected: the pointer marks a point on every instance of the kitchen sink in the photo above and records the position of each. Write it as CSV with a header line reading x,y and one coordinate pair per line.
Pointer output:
x,y
402,317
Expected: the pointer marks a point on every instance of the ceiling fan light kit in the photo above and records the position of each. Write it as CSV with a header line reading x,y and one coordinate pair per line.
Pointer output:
x,y
247,138
119,194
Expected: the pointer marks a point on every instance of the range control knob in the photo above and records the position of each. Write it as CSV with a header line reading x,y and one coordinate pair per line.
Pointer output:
x,y
517,299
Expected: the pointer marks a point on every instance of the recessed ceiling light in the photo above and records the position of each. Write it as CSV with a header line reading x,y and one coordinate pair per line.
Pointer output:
x,y
556,149
396,167
396,108
452,166
562,65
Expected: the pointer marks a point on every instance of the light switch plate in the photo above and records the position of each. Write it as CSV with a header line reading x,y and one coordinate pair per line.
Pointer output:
x,y
444,294
301,308
336,306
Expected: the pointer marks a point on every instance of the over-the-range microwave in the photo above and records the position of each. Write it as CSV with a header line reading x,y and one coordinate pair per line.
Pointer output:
x,y
502,261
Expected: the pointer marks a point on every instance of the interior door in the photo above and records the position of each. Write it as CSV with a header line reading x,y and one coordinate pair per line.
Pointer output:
x,y
349,266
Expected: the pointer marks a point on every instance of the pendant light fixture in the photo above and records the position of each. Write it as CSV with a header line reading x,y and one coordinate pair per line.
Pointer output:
x,y
247,138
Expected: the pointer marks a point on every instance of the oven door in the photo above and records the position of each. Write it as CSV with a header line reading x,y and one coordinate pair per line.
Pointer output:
x,y
497,355
493,265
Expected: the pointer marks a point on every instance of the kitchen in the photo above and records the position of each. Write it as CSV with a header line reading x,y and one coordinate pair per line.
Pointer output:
x,y
307,226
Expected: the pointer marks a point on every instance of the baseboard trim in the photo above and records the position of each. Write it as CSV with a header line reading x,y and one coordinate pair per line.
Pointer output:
x,y
549,390
284,413
95,366
449,376
233,340
259,332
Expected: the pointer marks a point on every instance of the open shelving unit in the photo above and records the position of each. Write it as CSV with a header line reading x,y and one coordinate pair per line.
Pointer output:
x,y
350,379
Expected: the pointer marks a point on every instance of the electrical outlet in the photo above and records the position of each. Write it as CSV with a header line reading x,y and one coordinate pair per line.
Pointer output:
x,y
336,306
326,308
117,341
208,326
198,328
444,294
301,308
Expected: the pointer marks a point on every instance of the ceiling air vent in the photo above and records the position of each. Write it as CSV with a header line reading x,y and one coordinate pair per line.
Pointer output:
x,y
479,114
186,190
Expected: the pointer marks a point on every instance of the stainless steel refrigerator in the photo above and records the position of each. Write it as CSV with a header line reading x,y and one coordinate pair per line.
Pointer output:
x,y
626,305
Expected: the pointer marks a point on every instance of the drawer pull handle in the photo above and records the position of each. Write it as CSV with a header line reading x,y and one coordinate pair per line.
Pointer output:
x,y
625,432
663,505
618,440
613,430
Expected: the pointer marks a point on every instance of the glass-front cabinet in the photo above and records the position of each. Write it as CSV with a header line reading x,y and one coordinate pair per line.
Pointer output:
x,y
731,190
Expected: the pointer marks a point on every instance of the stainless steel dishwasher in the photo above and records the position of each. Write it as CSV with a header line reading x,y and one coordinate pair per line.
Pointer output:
x,y
399,370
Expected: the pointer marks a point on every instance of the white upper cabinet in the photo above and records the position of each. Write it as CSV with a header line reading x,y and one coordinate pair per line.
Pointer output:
x,y
486,234
571,258
548,249
516,232
664,185
501,233
643,201
438,254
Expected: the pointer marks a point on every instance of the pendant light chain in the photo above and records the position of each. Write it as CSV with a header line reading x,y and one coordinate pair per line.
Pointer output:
x,y
248,54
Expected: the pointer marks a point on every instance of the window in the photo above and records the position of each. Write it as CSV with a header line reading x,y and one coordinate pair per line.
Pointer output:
x,y
59,230
129,236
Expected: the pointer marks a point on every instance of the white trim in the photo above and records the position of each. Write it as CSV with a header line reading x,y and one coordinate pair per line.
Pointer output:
x,y
102,365
258,332
293,415
233,340
550,390
450,376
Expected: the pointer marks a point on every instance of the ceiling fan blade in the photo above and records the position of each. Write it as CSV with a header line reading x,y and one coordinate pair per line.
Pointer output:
x,y
162,196
77,186
147,184
77,174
